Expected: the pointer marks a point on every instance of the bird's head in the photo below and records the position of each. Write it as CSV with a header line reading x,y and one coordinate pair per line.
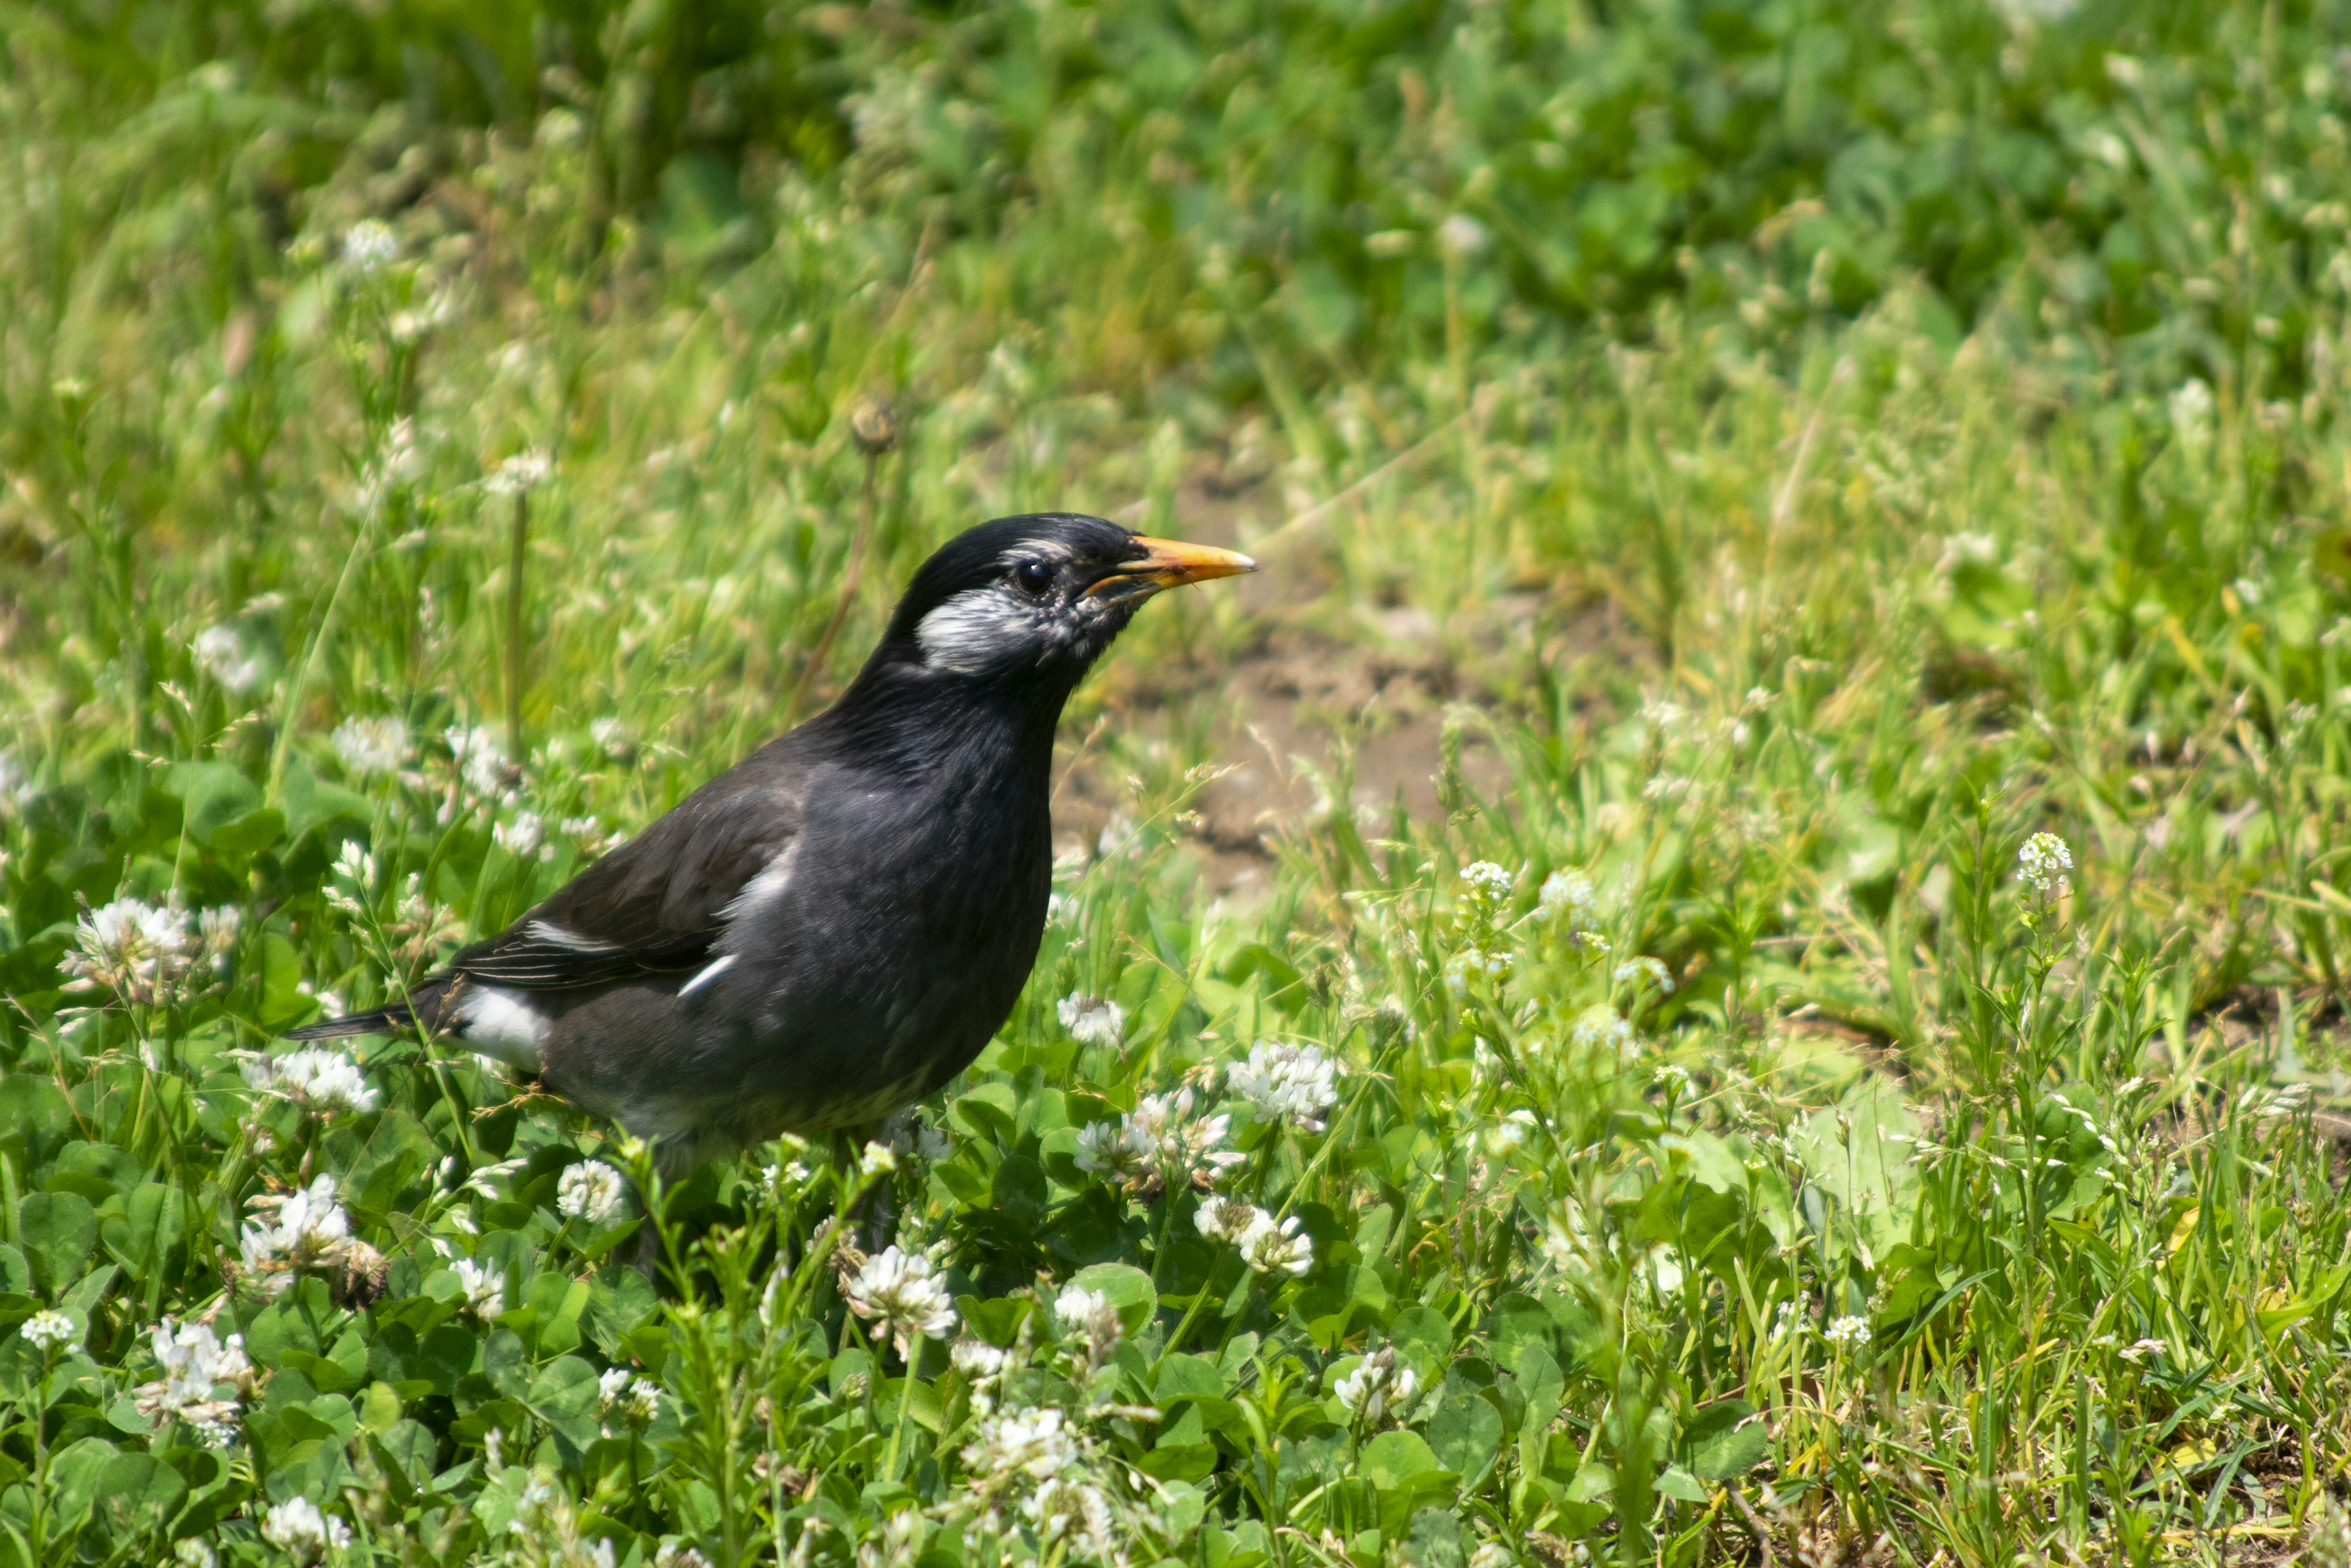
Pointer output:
x,y
1036,599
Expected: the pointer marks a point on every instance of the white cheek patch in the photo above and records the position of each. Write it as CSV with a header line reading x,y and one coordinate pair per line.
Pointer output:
x,y
503,1024
982,628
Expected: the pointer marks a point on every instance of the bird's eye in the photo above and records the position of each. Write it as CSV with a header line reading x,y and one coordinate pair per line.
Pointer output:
x,y
1034,578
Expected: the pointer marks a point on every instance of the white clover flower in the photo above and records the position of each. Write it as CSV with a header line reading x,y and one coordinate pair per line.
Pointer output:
x,y
1568,892
2191,408
1476,963
1033,1443
485,1288
2043,864
677,1554
588,1190
613,738
1271,1249
195,1363
193,1552
1849,1331
1378,1383
305,1228
299,1530
2141,1350
1651,970
1228,1218
1179,1148
370,246
623,1396
1092,1020
132,948
521,474
220,653
479,761
369,746
1077,1510
876,1160
324,1082
1292,1082
1089,1315
977,1359
49,1329
1108,1149
904,1297
1491,1554
525,838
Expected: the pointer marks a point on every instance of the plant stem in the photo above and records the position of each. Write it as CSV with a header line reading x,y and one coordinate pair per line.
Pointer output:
x,y
519,538
814,667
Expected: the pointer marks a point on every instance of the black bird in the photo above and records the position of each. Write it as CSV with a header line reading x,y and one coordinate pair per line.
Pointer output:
x,y
838,925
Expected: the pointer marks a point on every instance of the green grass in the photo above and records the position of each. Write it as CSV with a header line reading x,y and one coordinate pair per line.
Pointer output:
x,y
1802,548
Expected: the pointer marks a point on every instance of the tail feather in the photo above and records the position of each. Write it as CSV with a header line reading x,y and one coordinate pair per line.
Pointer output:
x,y
390,1019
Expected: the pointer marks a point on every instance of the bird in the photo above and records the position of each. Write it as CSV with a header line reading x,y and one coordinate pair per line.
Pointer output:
x,y
837,926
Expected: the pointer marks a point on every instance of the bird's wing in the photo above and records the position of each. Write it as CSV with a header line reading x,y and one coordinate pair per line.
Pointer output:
x,y
654,905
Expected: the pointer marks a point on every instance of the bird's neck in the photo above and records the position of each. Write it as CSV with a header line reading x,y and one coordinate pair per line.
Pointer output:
x,y
908,721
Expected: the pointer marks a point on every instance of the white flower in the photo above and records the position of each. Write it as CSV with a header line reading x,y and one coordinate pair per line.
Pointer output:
x,y
634,1401
1486,886
612,737
1565,892
369,746
2192,413
1033,1443
132,948
305,1228
1292,1082
588,1190
221,655
523,838
195,1362
1184,1149
370,246
1463,235
1228,1218
521,474
1476,963
1089,1315
1271,1249
979,1360
2044,863
2142,1349
1849,1331
677,1554
902,1296
1077,1510
1104,1148
1092,1021
1377,1384
479,761
49,1329
1653,969
1491,1554
296,1528
193,1552
323,1082
875,1160
485,1288
1600,1025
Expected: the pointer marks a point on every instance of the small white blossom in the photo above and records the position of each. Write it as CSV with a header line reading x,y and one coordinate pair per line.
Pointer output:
x,y
2141,1350
1601,1025
323,1082
369,746
370,246
1092,1020
132,948
299,1530
485,1288
979,1360
1033,1443
525,838
1228,1219
1476,963
195,1362
612,737
480,762
305,1228
902,1296
1491,1554
1568,892
220,653
1485,889
588,1190
1292,1082
1463,235
1163,1139
677,1554
1651,970
1089,1315
2191,408
1378,1383
193,1552
1104,1148
1079,1510
1271,1249
623,1397
49,1329
2043,864
1849,1331
521,474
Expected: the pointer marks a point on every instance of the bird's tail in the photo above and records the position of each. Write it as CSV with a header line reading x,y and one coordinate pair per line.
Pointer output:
x,y
388,1019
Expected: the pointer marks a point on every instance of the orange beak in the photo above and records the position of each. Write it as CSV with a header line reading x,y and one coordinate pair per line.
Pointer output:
x,y
1171,563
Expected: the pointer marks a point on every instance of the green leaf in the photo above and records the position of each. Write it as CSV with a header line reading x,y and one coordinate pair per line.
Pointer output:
x,y
1724,1440
1680,1485
215,795
150,1225
1129,1290
1466,1434
137,1493
1392,1458
58,1230
563,1394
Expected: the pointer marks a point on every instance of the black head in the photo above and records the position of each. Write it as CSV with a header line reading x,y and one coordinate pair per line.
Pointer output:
x,y
1031,601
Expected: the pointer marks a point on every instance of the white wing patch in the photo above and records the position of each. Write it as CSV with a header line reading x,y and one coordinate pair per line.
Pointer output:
x,y
708,973
548,931
503,1024
763,889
